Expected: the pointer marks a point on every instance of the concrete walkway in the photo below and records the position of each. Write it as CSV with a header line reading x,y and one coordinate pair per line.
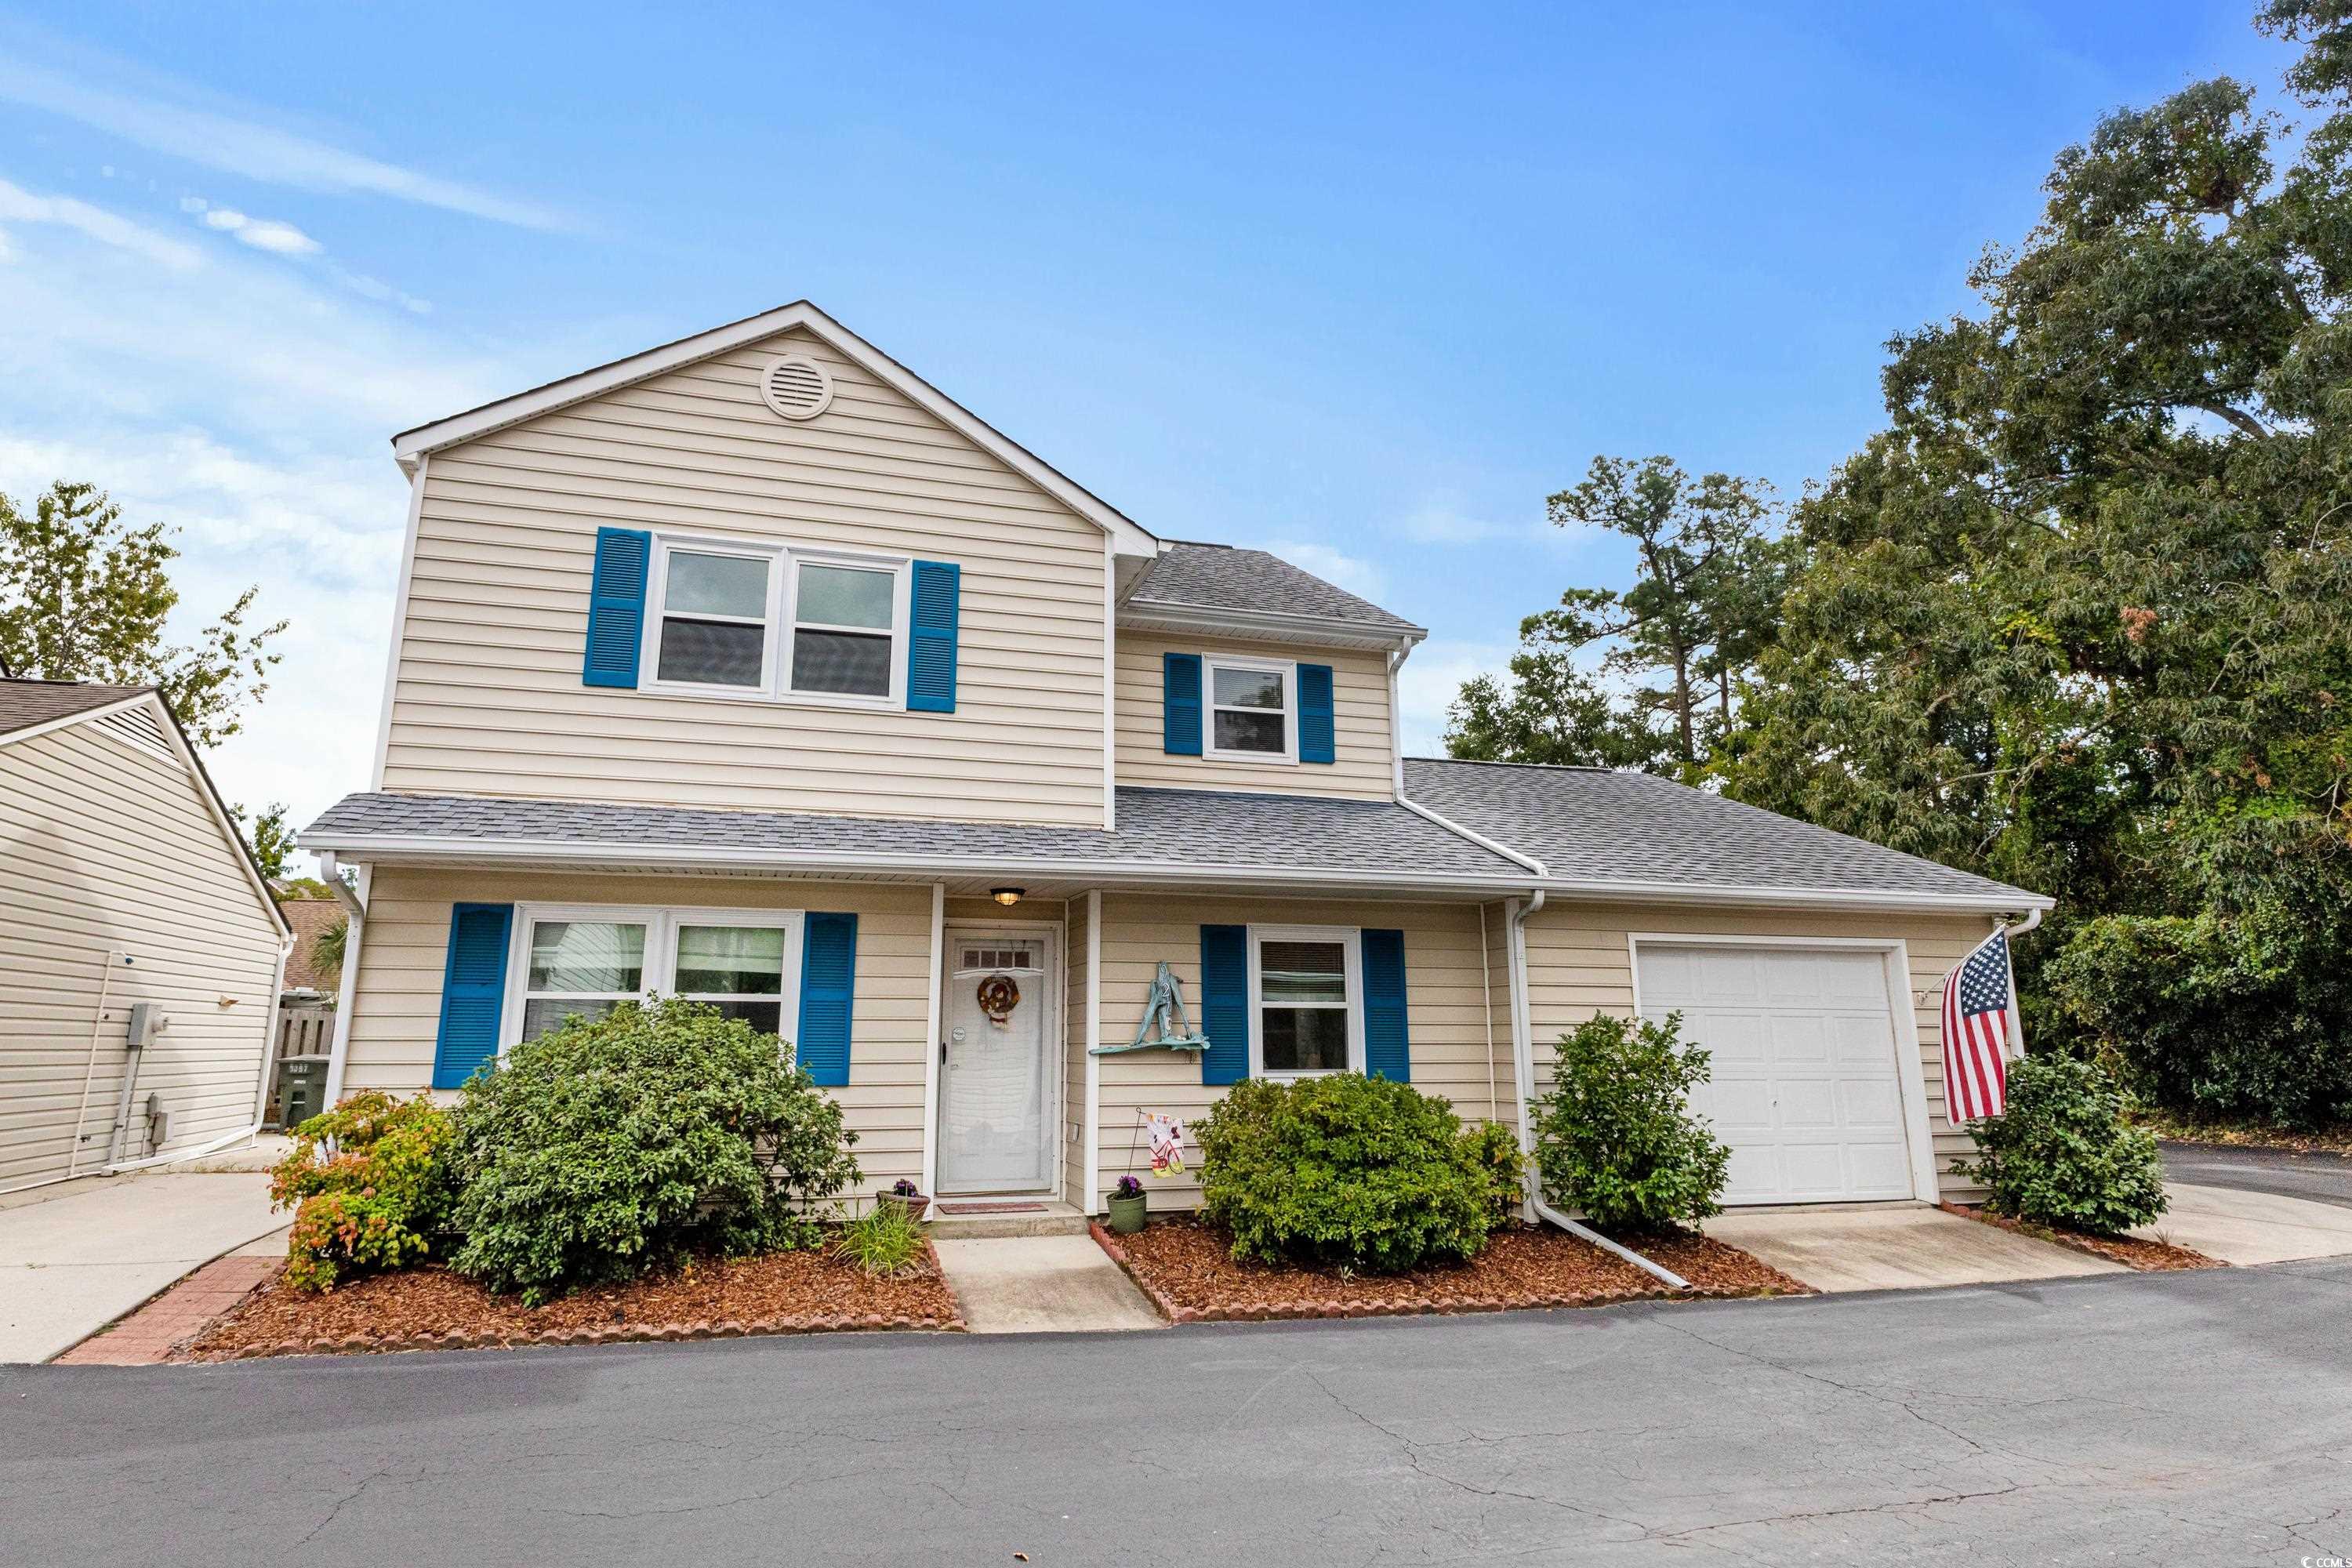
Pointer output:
x,y
1895,1247
76,1257
1042,1285
2242,1226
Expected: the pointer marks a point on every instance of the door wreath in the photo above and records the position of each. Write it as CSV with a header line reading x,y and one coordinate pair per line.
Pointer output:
x,y
998,996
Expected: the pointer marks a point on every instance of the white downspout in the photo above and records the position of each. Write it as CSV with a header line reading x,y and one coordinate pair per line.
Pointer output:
x,y
355,909
1523,1075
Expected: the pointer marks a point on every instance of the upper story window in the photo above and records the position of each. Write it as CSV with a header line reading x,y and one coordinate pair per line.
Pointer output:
x,y
779,622
1253,708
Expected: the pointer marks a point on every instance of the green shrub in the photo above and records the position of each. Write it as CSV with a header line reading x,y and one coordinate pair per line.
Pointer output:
x,y
369,1184
2238,1015
2063,1155
1345,1171
1496,1147
1616,1138
614,1146
885,1240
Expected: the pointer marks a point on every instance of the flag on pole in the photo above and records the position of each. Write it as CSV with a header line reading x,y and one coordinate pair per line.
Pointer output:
x,y
1979,999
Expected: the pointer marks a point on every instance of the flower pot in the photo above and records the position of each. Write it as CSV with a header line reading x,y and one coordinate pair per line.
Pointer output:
x,y
917,1204
1127,1214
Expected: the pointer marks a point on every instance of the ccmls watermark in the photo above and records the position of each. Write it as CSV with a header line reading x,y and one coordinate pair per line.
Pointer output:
x,y
2327,1563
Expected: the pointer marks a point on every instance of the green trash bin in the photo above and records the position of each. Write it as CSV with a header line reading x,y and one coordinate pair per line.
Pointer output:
x,y
301,1087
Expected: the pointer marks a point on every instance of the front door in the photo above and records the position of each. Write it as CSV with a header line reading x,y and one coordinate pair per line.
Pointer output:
x,y
996,1081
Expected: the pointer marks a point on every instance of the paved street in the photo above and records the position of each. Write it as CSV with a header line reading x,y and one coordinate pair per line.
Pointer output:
x,y
2202,1417
2321,1178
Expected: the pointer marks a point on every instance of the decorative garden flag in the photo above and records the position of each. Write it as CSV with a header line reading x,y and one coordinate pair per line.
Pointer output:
x,y
1978,1000
1166,1136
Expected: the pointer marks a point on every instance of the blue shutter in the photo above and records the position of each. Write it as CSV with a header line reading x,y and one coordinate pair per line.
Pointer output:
x,y
1388,1047
473,992
932,655
1180,704
616,607
1225,1000
1316,741
828,984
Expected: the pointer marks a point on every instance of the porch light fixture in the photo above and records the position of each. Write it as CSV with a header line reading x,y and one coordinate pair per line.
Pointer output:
x,y
1008,897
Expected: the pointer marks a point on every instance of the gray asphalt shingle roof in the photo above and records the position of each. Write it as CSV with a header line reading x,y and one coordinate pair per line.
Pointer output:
x,y
1181,829
25,703
1590,825
1229,577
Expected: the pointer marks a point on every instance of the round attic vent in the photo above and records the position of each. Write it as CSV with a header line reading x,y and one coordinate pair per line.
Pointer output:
x,y
796,388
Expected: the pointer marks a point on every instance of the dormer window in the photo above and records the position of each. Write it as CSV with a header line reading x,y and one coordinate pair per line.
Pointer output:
x,y
1253,708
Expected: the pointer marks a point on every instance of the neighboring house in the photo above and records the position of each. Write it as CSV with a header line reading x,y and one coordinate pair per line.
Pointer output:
x,y
754,668
311,919
128,902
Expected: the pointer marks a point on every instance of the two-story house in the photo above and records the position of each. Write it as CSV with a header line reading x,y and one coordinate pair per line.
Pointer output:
x,y
756,669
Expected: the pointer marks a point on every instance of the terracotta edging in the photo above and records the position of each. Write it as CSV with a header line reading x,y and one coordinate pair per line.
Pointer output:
x,y
1383,1306
622,1333
2074,1243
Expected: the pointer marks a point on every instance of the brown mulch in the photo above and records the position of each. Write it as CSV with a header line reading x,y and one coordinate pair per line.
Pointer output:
x,y
1183,1264
432,1309
2131,1251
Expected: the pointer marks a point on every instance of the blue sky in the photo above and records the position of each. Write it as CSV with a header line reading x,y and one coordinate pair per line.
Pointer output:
x,y
1360,284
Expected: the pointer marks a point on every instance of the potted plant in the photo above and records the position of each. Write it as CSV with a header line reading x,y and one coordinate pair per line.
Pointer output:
x,y
1127,1204
905,1194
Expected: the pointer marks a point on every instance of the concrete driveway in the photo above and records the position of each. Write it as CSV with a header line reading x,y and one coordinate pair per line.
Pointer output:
x,y
1895,1247
2184,1418
74,1256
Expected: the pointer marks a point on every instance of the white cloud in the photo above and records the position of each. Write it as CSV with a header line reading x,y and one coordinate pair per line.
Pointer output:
x,y
20,205
1429,681
244,146
1357,575
263,234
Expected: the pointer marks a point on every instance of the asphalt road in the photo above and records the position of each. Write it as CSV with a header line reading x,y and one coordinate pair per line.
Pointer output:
x,y
2199,1417
2322,1177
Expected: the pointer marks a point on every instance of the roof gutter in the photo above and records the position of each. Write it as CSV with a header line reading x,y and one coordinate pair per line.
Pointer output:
x,y
1176,615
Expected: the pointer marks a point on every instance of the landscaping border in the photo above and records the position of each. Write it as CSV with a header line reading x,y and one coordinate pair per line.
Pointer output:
x,y
618,1333
1409,1306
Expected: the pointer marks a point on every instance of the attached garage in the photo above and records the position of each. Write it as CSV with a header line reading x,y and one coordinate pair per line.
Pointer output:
x,y
1816,1071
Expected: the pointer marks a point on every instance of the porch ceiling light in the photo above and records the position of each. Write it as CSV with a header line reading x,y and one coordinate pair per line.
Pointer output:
x,y
1008,897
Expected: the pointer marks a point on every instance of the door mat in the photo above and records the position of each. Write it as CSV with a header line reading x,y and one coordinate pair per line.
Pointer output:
x,y
989,1208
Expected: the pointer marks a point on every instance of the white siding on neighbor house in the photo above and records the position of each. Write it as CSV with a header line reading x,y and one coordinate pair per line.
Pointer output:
x,y
396,1007
1364,767
1579,962
107,849
488,698
1445,1006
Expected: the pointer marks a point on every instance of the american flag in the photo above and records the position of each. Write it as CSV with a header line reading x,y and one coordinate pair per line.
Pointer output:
x,y
1978,996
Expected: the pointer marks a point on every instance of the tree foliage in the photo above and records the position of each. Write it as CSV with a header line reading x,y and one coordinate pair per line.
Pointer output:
x,y
269,836
1646,678
84,596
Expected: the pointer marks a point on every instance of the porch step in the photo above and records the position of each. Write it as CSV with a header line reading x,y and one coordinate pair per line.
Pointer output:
x,y
1003,1217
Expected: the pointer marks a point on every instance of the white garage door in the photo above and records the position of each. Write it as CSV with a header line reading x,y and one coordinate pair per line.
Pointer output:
x,y
1806,1090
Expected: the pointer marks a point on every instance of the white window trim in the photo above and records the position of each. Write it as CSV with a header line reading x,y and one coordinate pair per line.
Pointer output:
x,y
785,560
661,923
1350,938
1289,669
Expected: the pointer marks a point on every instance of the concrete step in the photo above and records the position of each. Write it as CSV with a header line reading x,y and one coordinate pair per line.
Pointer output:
x,y
1047,1219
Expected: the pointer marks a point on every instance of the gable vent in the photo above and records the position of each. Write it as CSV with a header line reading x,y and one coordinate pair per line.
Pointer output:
x,y
137,726
796,388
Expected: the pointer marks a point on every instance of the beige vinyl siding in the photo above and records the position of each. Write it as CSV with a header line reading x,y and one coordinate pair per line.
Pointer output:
x,y
488,697
1579,962
397,1009
109,849
1444,1004
1365,764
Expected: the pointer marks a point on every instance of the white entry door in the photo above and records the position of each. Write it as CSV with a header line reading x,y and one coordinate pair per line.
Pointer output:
x,y
1807,1090
996,1079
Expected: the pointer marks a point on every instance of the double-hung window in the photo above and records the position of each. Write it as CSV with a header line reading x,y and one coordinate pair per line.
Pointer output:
x,y
581,960
1253,708
736,618
1307,1000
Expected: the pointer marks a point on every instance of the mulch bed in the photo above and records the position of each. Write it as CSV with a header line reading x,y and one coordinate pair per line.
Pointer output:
x,y
432,1309
2131,1251
1183,1267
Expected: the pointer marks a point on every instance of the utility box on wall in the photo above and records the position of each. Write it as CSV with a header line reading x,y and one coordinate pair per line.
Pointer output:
x,y
147,1021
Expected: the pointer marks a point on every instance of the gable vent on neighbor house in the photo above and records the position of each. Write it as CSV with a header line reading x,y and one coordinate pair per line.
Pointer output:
x,y
796,387
137,726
